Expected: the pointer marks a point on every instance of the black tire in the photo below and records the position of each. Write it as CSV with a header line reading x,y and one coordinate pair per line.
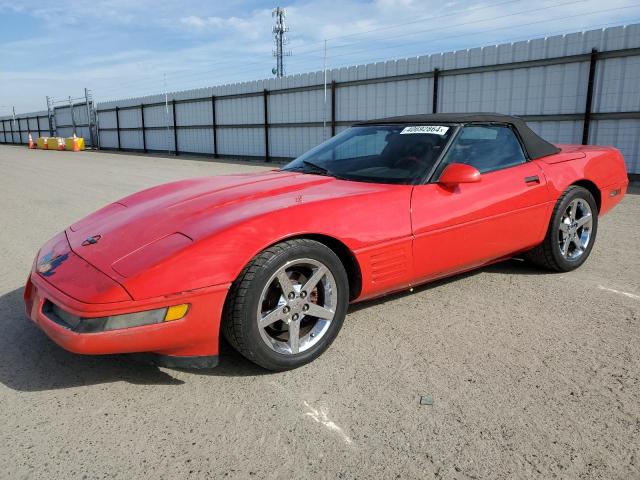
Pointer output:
x,y
239,322
548,254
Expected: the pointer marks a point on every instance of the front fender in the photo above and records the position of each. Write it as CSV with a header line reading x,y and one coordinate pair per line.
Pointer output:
x,y
224,243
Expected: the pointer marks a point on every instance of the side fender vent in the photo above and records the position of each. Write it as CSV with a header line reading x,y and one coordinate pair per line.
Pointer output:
x,y
389,264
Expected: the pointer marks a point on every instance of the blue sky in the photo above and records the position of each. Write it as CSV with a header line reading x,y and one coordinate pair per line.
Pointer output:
x,y
125,48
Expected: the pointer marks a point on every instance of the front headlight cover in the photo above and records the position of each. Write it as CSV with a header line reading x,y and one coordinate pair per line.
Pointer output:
x,y
112,322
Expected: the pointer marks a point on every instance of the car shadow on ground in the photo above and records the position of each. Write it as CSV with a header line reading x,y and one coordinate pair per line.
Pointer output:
x,y
30,361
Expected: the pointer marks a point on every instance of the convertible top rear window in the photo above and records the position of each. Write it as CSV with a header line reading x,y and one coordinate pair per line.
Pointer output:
x,y
378,153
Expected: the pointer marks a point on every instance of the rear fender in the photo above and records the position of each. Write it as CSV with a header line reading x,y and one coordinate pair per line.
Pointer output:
x,y
602,167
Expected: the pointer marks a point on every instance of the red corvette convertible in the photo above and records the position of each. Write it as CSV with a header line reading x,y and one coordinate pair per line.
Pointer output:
x,y
273,259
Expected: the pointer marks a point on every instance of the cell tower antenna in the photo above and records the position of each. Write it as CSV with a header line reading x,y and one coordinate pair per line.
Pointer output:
x,y
280,39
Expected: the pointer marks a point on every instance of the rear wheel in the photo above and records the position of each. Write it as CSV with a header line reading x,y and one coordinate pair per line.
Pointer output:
x,y
571,232
287,305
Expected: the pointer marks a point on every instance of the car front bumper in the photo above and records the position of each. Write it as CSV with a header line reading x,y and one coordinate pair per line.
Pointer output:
x,y
189,342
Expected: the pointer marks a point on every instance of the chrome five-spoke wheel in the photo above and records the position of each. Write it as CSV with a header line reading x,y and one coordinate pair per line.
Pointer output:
x,y
571,233
575,229
297,306
288,304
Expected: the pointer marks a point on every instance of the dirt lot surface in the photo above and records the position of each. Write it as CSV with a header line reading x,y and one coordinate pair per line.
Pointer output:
x,y
532,375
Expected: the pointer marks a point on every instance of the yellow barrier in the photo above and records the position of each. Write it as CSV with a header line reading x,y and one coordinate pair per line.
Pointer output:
x,y
42,143
68,144
55,143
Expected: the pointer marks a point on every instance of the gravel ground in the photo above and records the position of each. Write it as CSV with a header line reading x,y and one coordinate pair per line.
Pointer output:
x,y
532,375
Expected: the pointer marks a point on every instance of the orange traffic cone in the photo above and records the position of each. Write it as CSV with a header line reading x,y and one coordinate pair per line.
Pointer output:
x,y
76,147
60,143
31,144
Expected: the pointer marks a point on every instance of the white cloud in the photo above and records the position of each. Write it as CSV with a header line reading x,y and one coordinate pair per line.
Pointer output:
x,y
193,21
243,28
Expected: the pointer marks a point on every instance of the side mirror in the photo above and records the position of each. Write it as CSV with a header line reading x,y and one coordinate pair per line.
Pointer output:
x,y
456,173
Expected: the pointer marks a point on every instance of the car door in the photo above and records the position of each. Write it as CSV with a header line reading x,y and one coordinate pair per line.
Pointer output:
x,y
470,224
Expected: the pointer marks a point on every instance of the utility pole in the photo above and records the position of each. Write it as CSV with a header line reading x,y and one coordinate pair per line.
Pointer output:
x,y
279,38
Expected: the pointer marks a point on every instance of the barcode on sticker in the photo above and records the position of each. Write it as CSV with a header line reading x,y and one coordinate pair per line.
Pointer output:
x,y
433,129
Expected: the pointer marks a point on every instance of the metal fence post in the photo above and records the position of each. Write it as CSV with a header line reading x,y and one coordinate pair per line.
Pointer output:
x,y
175,129
118,126
267,156
144,136
214,126
436,77
587,109
49,117
38,125
13,140
333,107
96,115
73,117
89,126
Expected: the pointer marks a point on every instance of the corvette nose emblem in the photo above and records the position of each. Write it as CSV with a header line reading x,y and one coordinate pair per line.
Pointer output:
x,y
49,262
91,240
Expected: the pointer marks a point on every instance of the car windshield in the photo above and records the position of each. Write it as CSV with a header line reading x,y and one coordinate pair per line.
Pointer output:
x,y
377,153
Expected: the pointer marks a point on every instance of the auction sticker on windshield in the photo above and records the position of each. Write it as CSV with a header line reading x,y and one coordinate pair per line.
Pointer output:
x,y
432,129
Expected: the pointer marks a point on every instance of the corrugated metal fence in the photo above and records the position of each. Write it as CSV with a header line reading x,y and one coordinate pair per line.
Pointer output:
x,y
61,122
68,120
17,130
576,88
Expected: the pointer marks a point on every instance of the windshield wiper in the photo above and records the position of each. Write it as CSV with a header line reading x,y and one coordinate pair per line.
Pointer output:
x,y
322,170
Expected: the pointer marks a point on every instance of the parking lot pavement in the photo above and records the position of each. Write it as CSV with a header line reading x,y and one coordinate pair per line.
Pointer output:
x,y
531,374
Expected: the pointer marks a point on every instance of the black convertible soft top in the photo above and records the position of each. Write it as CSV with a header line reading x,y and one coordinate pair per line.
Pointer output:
x,y
535,146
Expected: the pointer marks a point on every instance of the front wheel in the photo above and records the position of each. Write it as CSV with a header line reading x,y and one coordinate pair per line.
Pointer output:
x,y
571,232
287,305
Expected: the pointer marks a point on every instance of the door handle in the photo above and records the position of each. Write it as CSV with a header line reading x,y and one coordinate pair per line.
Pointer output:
x,y
532,179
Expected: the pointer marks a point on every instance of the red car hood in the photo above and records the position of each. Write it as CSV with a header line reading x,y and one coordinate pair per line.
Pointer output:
x,y
195,208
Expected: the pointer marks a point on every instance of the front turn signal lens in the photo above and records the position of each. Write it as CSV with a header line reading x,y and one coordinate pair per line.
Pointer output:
x,y
176,312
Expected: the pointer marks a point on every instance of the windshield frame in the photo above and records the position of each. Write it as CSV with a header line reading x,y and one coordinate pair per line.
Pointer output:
x,y
417,180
